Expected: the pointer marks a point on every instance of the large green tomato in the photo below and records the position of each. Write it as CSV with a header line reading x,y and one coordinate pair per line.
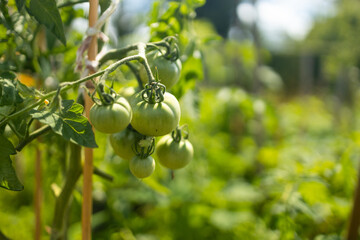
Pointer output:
x,y
155,119
123,143
172,154
111,118
142,167
169,71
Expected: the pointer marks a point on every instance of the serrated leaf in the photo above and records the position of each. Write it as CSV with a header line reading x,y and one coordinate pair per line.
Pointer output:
x,y
69,123
8,178
47,13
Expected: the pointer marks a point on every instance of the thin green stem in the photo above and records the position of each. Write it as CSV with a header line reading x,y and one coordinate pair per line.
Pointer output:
x,y
32,136
117,54
144,61
103,174
121,52
136,73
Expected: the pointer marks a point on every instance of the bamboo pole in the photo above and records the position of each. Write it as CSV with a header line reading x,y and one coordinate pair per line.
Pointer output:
x,y
88,164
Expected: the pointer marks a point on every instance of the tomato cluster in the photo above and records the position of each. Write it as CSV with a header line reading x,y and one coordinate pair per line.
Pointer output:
x,y
136,118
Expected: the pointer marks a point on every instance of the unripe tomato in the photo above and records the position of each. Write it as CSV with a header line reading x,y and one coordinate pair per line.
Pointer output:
x,y
169,71
155,119
111,118
142,167
173,154
123,143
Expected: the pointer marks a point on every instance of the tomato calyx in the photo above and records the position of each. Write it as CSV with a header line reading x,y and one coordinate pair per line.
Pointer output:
x,y
144,147
153,92
172,49
180,133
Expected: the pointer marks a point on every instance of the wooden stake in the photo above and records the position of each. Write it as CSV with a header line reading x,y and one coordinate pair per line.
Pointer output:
x,y
88,164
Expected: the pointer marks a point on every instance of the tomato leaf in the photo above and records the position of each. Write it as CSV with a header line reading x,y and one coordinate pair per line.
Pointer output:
x,y
104,4
8,178
47,13
19,4
9,95
6,147
69,123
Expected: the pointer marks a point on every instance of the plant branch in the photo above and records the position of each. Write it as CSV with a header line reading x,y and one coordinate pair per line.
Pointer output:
x,y
136,73
62,202
121,52
32,136
117,54
103,174
64,87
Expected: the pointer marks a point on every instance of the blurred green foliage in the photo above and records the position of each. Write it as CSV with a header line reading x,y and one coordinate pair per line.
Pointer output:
x,y
294,179
265,167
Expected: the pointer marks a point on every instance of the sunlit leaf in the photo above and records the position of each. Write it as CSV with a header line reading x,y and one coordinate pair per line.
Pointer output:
x,y
47,13
9,95
69,123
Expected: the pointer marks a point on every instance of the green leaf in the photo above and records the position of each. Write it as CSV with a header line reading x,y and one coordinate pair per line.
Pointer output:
x,y
20,4
9,95
170,12
6,147
47,13
8,178
104,4
69,123
154,14
8,75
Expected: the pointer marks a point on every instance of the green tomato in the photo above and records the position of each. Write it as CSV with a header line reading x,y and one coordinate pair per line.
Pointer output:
x,y
111,118
168,71
156,119
123,143
142,167
172,154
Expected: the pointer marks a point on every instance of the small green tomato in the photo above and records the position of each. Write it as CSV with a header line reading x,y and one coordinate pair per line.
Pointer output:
x,y
111,118
123,143
142,167
173,154
167,70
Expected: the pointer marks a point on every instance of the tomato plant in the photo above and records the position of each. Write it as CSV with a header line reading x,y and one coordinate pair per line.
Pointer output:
x,y
39,48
